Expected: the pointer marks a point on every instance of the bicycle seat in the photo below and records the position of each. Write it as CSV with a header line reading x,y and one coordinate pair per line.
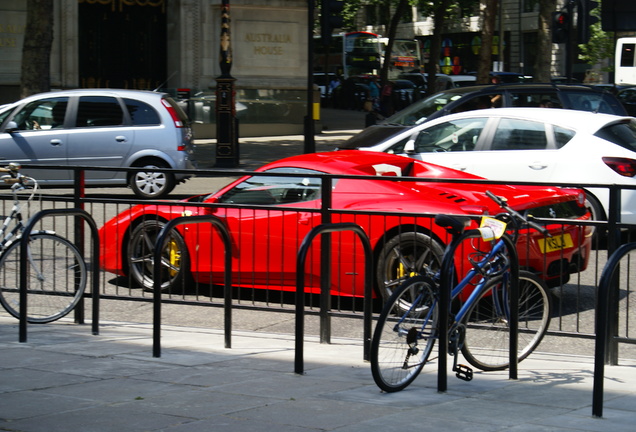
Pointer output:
x,y
453,224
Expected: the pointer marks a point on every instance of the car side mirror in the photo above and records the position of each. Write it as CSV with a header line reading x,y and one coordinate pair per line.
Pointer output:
x,y
409,148
11,127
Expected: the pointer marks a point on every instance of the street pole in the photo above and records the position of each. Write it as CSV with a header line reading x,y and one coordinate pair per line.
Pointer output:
x,y
569,44
227,150
310,141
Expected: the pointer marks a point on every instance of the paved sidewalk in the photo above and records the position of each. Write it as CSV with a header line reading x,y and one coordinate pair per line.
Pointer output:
x,y
65,379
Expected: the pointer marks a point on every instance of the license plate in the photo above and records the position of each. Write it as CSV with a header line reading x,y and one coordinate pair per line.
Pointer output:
x,y
555,243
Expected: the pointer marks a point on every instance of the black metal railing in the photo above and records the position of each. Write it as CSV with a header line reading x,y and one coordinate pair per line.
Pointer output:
x,y
578,322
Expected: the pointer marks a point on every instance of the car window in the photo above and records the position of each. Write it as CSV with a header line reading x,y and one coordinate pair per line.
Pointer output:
x,y
622,134
398,147
535,99
141,113
592,101
491,100
6,113
271,190
516,134
99,111
456,135
42,114
418,112
627,96
562,136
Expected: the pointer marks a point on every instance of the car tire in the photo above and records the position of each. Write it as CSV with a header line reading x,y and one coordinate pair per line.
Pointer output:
x,y
595,207
152,184
140,255
406,255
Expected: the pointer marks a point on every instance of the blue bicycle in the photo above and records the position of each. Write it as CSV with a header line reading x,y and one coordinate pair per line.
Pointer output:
x,y
407,328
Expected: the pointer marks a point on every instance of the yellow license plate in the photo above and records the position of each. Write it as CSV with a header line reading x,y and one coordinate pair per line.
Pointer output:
x,y
555,243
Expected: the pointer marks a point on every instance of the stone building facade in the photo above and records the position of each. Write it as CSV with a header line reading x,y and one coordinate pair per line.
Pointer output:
x,y
173,45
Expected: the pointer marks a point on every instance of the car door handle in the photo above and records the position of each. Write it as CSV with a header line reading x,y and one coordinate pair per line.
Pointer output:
x,y
56,142
121,138
304,218
538,166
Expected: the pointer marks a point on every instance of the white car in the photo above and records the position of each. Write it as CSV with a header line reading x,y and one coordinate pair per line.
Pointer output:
x,y
531,144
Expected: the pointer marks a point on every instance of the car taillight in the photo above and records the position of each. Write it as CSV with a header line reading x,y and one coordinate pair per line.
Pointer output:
x,y
623,166
173,113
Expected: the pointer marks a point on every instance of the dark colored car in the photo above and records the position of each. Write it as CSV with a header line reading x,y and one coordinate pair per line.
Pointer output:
x,y
627,96
577,97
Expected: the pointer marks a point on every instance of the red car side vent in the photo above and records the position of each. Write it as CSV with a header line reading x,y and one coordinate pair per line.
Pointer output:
x,y
453,197
623,166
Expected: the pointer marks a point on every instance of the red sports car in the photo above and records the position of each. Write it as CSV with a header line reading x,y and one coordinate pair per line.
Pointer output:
x,y
268,216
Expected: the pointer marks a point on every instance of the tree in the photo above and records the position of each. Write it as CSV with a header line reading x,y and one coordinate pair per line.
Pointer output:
x,y
36,51
439,16
391,31
543,60
600,47
489,16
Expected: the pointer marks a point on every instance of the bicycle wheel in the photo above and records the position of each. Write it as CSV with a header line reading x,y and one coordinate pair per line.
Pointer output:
x,y
56,278
405,334
487,339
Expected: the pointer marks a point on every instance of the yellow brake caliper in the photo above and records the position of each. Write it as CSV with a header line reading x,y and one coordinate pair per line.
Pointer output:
x,y
174,255
401,272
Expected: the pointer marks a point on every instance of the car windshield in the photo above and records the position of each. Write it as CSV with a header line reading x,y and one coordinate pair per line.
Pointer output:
x,y
418,112
271,190
622,134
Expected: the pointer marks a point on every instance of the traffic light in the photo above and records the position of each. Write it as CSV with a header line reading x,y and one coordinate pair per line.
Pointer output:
x,y
330,18
560,27
586,19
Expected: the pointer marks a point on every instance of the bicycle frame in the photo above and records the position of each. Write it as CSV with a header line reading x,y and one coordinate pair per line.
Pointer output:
x,y
479,287
477,269
16,215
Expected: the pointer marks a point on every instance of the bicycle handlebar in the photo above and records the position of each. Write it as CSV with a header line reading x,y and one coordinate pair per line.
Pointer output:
x,y
503,203
12,168
15,178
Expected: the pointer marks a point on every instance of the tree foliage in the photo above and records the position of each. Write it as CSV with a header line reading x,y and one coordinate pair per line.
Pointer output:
x,y
600,46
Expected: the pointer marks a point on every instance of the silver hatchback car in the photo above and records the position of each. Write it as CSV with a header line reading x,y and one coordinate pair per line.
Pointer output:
x,y
100,128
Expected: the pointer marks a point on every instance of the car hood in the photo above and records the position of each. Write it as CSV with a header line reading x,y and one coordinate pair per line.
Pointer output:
x,y
372,136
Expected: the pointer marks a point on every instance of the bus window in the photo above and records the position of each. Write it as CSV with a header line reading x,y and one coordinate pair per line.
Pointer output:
x,y
627,55
625,67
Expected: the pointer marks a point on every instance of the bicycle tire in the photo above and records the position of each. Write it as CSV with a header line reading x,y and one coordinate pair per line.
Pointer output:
x,y
56,279
487,339
409,317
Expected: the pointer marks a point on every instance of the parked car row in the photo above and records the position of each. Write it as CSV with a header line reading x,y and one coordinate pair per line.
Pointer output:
x,y
490,96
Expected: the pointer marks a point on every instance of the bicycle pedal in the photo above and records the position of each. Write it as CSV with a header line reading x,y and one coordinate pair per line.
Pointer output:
x,y
463,372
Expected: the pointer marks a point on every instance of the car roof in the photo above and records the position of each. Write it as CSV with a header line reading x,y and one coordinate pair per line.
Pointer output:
x,y
583,121
92,91
520,86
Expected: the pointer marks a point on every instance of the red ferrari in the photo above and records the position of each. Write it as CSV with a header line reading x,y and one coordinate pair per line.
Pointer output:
x,y
268,216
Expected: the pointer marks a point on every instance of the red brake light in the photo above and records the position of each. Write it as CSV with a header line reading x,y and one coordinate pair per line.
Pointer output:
x,y
173,113
623,166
